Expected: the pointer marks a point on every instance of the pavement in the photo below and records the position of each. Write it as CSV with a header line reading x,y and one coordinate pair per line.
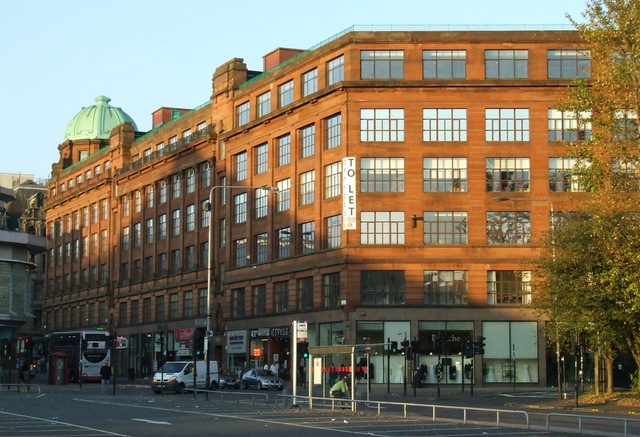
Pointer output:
x,y
538,398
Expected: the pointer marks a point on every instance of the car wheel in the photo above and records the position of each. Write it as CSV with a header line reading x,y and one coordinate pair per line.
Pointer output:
x,y
180,389
259,385
214,386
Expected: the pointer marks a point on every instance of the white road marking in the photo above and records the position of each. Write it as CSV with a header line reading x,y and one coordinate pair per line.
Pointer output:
x,y
154,422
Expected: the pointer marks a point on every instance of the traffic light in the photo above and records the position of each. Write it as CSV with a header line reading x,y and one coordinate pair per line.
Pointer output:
x,y
409,351
481,345
303,347
469,347
394,347
405,345
444,344
5,346
196,345
438,342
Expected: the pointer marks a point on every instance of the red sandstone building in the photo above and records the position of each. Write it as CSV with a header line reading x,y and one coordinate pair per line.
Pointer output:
x,y
388,150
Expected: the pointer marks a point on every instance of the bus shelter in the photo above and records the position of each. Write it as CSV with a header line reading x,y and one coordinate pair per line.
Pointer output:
x,y
324,369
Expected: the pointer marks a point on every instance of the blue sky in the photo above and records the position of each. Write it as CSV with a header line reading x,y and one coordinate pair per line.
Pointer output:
x,y
57,56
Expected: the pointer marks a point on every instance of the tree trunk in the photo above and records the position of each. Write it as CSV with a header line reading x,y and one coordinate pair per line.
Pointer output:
x,y
609,365
596,369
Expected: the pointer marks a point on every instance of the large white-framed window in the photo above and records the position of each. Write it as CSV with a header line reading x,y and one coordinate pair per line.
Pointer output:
x,y
335,70
284,149
307,140
382,227
261,158
333,180
175,223
307,237
240,208
568,64
444,64
445,227
285,94
264,103
506,124
333,232
506,64
190,224
569,125
444,174
564,175
284,243
283,195
333,131
381,175
240,162
381,64
309,82
382,125
446,287
307,187
507,174
191,180
243,114
444,124
508,287
508,227
261,203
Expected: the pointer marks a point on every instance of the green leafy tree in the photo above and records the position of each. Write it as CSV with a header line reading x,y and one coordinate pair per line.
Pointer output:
x,y
589,278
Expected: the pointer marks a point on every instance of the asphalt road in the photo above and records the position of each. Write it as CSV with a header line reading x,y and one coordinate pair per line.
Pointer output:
x,y
135,411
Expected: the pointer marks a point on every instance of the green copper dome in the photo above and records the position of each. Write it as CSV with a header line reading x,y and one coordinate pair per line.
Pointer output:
x,y
96,121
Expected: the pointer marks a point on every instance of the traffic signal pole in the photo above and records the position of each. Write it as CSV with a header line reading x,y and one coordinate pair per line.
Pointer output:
x,y
389,366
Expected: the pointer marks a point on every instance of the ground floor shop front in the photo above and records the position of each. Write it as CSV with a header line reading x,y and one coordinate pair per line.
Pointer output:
x,y
514,351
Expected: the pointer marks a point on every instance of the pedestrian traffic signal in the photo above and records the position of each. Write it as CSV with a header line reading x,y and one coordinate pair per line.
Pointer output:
x,y
394,347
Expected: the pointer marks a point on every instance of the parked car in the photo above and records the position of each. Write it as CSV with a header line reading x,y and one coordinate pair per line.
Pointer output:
x,y
261,378
227,380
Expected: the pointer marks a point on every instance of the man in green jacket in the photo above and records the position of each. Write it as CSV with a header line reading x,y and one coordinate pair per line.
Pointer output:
x,y
340,388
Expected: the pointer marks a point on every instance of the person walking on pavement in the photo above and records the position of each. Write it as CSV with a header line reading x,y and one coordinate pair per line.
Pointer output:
x,y
105,374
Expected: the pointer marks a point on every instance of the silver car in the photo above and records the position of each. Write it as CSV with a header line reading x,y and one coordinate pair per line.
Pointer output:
x,y
261,379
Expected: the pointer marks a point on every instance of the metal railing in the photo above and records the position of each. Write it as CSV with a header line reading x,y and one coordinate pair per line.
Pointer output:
x,y
21,387
230,396
583,420
435,410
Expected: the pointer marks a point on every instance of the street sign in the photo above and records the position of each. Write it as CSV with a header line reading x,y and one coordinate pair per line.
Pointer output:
x,y
201,322
302,331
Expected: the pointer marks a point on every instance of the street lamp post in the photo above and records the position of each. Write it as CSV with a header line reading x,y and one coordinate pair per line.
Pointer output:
x,y
552,229
211,262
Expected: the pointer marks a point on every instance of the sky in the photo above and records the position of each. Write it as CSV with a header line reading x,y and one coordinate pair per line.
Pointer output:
x,y
57,56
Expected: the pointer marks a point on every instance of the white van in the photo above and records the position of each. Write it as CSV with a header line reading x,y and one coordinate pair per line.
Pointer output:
x,y
178,375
